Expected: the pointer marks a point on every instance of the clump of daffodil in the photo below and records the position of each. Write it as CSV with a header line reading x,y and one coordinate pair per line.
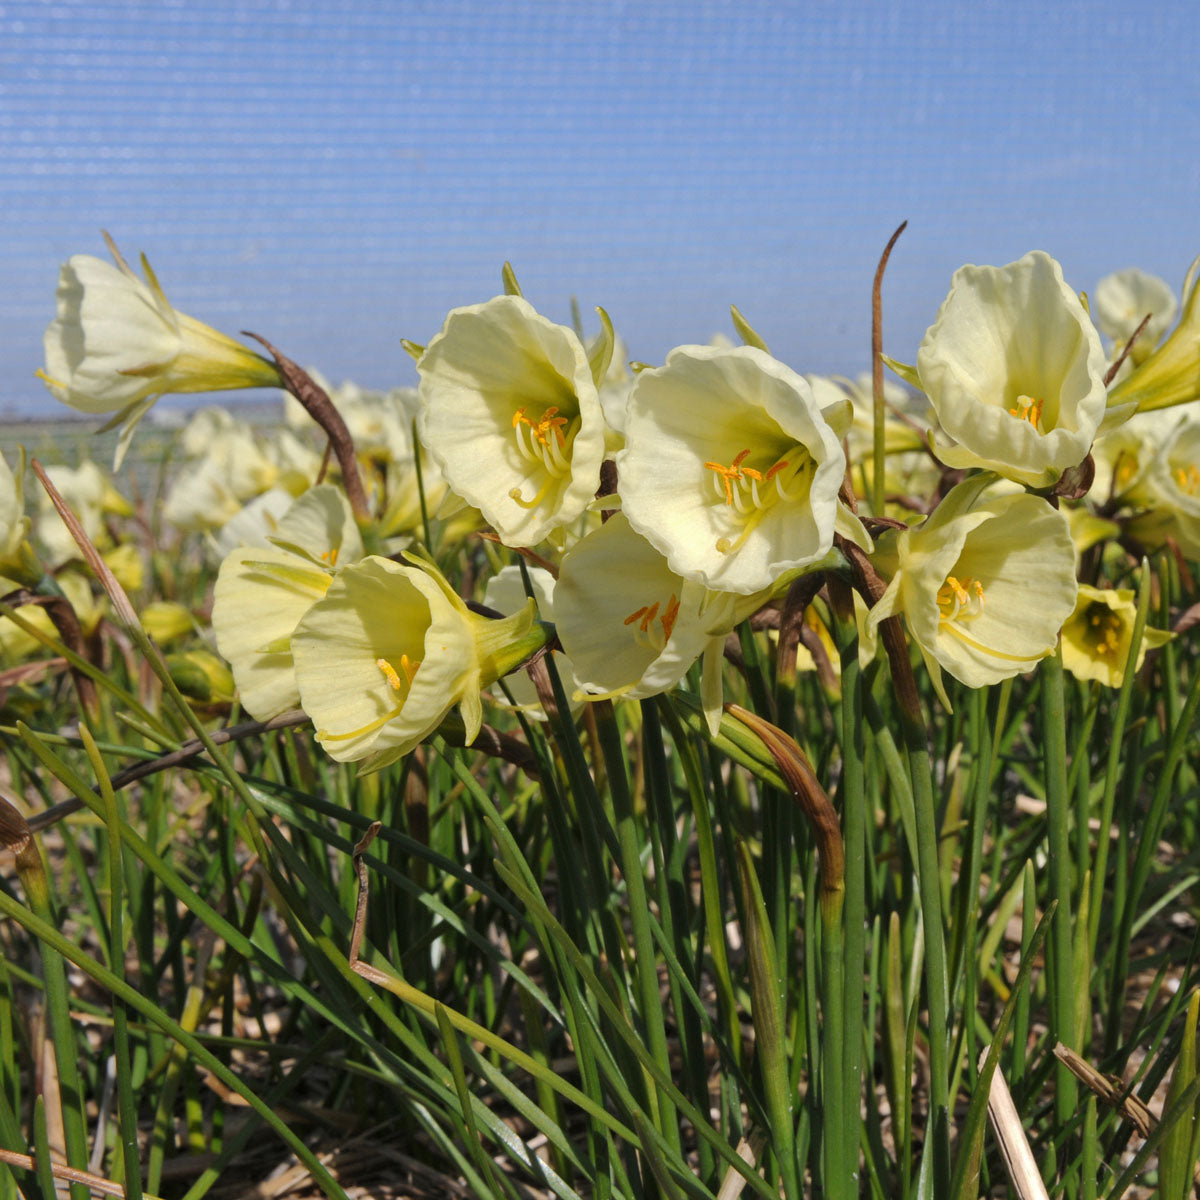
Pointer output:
x,y
1123,300
117,344
632,627
1097,635
227,464
262,592
1171,375
1014,369
511,413
730,469
984,584
390,650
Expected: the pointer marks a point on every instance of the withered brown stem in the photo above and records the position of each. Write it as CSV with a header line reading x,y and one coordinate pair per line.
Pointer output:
x,y
871,586
877,367
810,795
791,621
1111,373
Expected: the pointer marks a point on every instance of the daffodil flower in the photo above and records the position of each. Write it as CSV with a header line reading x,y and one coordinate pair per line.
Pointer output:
x,y
1171,375
984,584
1167,488
117,344
510,412
388,652
1097,635
262,592
631,626
1014,370
1123,300
730,469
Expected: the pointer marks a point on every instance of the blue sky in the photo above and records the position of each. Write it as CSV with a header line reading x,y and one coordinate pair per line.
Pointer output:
x,y
338,175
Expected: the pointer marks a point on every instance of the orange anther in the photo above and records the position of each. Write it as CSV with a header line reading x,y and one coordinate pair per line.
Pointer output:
x,y
669,615
549,422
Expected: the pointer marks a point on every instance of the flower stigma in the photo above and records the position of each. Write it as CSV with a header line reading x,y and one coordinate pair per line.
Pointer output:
x,y
407,666
646,632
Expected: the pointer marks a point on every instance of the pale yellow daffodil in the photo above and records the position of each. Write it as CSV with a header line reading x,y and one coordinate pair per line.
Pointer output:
x,y
1171,375
632,627
262,592
730,469
1167,489
1123,300
1014,370
984,584
117,344
510,411
390,650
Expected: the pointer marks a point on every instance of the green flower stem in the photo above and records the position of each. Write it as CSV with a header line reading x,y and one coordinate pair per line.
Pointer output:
x,y
1179,735
937,994
854,916
877,407
711,890
834,1105
127,1109
1112,770
937,1000
770,1045
646,958
32,872
1058,817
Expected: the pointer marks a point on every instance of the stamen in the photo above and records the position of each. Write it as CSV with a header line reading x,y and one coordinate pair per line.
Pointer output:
x,y
1028,408
546,444
960,598
651,613
1105,629
541,429
734,472
644,618
49,379
330,556
1188,478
